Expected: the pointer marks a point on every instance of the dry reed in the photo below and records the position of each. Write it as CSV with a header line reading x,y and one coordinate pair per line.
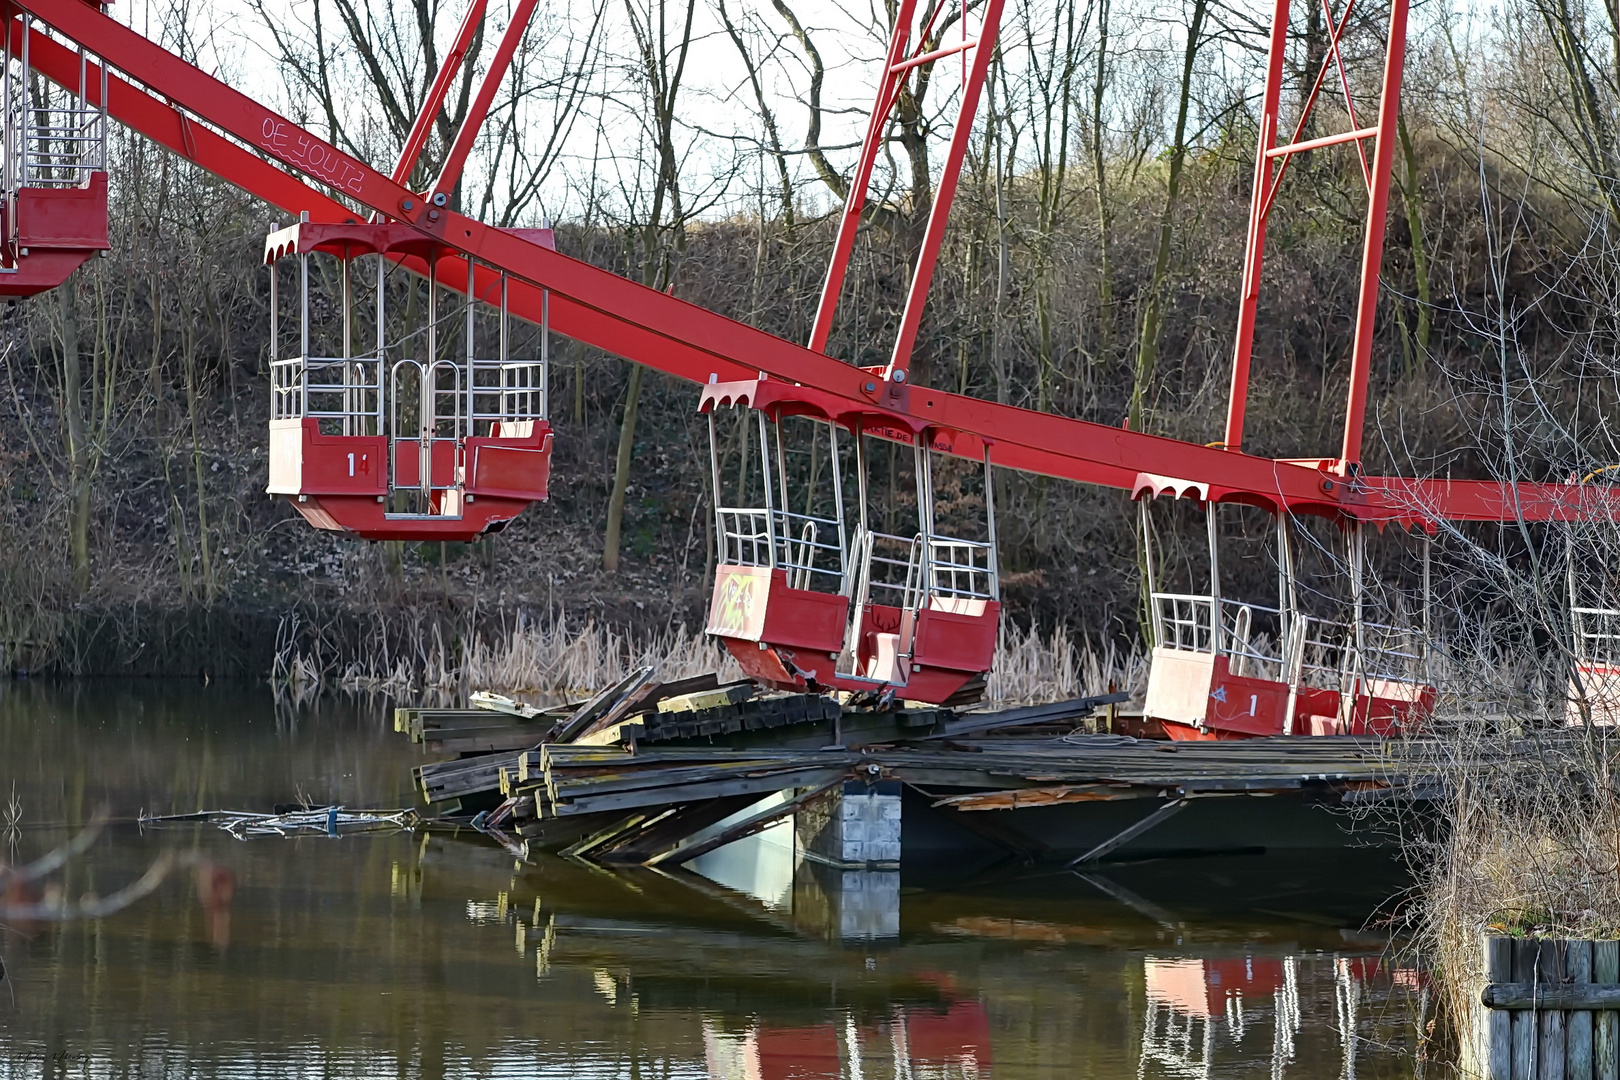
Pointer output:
x,y
551,658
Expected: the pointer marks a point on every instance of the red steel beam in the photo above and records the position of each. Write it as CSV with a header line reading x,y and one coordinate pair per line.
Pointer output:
x,y
1255,246
877,127
411,152
1372,249
939,213
456,159
652,328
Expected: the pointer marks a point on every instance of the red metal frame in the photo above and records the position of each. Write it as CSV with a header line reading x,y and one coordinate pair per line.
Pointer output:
x,y
411,152
653,328
478,110
897,68
1269,156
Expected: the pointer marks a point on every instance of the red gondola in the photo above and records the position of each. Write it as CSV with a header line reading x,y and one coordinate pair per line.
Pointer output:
x,y
1594,612
802,603
390,446
1228,669
54,215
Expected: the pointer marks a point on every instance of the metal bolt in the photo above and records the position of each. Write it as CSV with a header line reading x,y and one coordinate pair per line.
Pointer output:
x,y
439,198
1327,485
870,388
898,375
407,205
433,215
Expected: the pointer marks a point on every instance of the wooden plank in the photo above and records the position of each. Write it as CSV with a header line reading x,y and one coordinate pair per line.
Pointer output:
x,y
618,827
671,829
639,698
485,699
481,745
602,785
588,712
1520,997
1606,1026
547,834
1550,970
564,786
530,767
622,732
1129,833
1498,1024
1054,712
452,779
1578,1025
1524,1023
711,698
573,755
1015,798
663,796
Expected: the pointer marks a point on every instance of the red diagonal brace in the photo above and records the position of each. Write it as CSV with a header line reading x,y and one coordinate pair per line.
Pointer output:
x,y
1344,84
423,127
949,174
1310,103
877,127
522,11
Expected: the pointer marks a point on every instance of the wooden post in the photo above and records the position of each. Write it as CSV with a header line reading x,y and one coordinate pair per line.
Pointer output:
x,y
1557,1017
1550,970
1524,1023
1498,1022
1578,1025
1606,1025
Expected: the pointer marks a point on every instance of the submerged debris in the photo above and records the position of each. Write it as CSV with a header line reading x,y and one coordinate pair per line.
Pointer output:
x,y
326,820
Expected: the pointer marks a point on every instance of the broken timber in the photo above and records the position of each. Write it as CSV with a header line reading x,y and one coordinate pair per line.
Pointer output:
x,y
662,773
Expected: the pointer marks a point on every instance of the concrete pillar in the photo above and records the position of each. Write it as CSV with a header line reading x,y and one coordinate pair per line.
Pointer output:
x,y
856,826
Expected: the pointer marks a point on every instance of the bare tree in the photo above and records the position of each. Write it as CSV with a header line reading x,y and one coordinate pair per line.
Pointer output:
x,y
661,54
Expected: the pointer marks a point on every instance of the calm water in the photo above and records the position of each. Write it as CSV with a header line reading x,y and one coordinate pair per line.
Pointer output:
x,y
438,955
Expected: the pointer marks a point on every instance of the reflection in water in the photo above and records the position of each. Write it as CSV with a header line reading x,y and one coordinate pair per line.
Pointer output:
x,y
440,955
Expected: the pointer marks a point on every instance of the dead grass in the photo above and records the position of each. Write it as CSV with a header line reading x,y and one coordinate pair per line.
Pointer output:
x,y
549,659
1032,667
1527,842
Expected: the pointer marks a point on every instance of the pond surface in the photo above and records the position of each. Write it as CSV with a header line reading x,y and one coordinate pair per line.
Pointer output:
x,y
436,954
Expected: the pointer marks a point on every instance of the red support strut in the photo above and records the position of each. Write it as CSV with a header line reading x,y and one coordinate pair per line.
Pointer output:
x,y
423,127
1255,252
1266,181
1372,251
896,69
450,174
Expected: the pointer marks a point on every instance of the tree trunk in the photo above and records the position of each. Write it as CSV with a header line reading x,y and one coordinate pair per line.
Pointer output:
x,y
621,470
1147,350
77,438
1105,226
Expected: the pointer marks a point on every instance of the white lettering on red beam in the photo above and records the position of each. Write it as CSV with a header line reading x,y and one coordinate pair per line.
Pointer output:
x,y
330,165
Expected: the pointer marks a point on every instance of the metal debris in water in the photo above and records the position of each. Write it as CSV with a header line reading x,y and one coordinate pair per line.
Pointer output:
x,y
322,820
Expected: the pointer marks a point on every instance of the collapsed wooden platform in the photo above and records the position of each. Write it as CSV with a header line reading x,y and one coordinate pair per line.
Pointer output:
x,y
656,773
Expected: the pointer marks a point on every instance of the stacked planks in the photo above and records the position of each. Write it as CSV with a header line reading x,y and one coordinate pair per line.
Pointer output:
x,y
476,731
567,780
728,718
486,737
